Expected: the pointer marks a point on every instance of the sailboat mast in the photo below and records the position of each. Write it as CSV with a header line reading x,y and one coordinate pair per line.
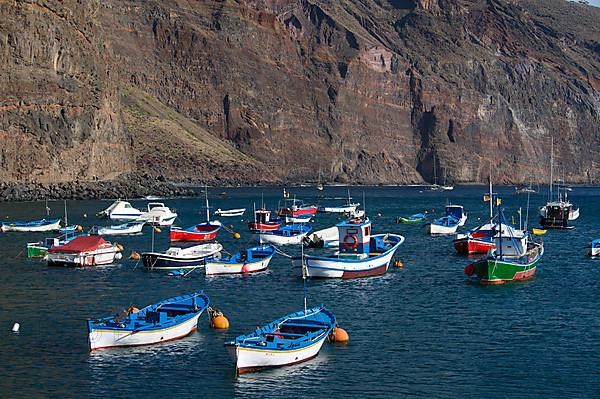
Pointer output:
x,y
491,196
206,196
304,273
66,216
551,165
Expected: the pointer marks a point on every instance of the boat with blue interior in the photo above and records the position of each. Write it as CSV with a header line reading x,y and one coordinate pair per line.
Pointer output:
x,y
291,339
250,260
360,253
285,235
166,320
31,226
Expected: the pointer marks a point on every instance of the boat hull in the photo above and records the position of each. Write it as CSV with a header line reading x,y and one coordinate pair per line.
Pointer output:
x,y
176,234
257,227
135,229
592,252
491,271
344,268
111,338
338,209
158,261
95,258
214,267
467,246
436,229
52,225
253,359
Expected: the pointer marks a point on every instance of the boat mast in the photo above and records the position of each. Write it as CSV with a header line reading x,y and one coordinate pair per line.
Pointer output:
x,y
491,196
527,213
66,216
304,273
551,165
206,196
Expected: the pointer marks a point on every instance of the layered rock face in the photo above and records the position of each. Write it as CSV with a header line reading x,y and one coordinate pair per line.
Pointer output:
x,y
249,91
59,114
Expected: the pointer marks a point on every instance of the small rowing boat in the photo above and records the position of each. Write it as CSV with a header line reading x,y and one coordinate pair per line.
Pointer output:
x,y
166,320
230,212
31,226
286,235
249,260
121,229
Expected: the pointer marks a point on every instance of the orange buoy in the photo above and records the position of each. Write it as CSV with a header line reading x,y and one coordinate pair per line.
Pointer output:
x,y
469,269
79,228
398,263
338,334
157,230
236,236
134,256
217,319
120,248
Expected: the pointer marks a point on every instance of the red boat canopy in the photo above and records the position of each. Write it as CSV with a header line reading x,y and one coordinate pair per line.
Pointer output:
x,y
80,244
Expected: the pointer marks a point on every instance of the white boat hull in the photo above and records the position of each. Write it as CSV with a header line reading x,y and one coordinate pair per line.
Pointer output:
x,y
47,227
248,359
280,240
102,256
230,212
434,229
320,267
463,220
592,252
574,214
108,338
339,209
111,231
214,267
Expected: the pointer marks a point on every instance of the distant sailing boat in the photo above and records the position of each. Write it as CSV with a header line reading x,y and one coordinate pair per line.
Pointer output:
x,y
319,184
446,187
435,186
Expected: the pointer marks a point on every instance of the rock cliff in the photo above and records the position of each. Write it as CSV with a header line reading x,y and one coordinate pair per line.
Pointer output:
x,y
247,91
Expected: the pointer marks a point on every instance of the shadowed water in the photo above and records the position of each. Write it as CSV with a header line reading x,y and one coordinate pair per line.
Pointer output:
x,y
423,330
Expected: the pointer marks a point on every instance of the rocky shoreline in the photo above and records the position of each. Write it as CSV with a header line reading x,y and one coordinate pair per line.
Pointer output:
x,y
125,186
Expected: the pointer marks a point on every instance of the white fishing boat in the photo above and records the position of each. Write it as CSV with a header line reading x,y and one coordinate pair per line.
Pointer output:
x,y
286,235
349,207
121,229
443,225
180,257
120,210
249,260
298,219
158,215
230,212
593,248
31,226
361,254
84,251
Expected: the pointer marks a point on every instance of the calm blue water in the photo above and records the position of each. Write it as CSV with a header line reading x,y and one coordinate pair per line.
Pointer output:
x,y
422,330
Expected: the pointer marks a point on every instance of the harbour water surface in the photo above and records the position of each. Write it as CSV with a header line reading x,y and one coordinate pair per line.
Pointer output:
x,y
422,330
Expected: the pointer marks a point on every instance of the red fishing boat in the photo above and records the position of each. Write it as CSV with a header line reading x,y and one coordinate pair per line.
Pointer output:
x,y
294,207
206,231
263,221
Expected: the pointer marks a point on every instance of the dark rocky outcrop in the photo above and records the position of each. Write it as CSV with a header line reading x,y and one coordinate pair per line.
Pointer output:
x,y
265,91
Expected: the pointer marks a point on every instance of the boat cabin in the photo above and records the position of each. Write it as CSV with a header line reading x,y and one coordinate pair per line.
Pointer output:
x,y
456,211
262,216
355,237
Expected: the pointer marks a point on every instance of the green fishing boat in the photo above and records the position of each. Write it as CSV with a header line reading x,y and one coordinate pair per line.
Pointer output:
x,y
515,258
40,249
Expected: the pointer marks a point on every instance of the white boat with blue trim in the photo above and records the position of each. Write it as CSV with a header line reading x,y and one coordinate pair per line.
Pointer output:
x,y
291,339
31,226
360,253
133,227
286,235
166,320
120,210
251,260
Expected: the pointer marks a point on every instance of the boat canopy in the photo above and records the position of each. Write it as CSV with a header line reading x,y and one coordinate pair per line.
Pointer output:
x,y
80,244
455,211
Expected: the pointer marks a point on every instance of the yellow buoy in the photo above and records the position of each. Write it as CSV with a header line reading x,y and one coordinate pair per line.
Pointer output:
x,y
236,236
157,230
79,228
339,335
398,263
120,247
134,256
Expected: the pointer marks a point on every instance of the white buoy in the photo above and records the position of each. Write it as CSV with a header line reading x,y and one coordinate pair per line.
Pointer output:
x,y
16,327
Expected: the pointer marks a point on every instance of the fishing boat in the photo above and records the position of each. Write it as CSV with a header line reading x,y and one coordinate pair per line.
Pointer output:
x,y
120,210
39,249
538,232
291,339
164,321
458,212
298,219
230,212
264,222
202,232
325,238
84,251
285,235
158,215
31,226
483,238
181,257
412,219
360,253
249,260
443,225
133,227
348,207
593,248
359,213
513,259
295,207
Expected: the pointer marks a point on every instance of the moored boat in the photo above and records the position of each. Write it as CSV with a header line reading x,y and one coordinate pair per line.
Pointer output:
x,y
483,238
294,207
230,212
188,257
249,260
263,221
328,238
84,251
133,227
416,218
513,259
360,253
593,248
348,207
291,339
166,320
443,225
298,219
120,210
31,226
158,215
206,231
286,235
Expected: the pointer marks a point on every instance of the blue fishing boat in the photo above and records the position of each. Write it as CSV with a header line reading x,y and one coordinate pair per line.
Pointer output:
x,y
34,225
166,320
249,260
444,225
286,235
291,339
